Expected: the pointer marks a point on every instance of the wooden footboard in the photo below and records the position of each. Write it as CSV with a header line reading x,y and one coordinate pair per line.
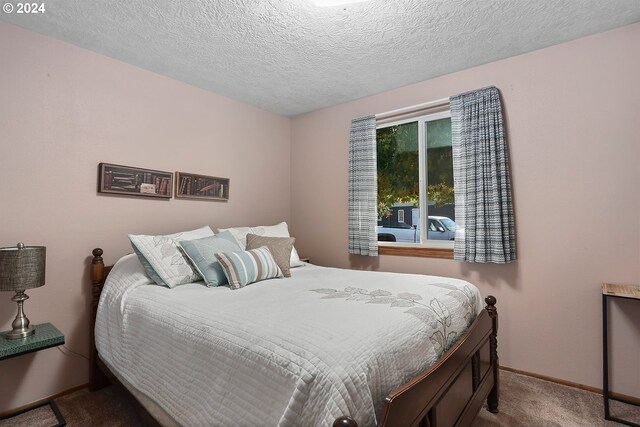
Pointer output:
x,y
449,393
452,391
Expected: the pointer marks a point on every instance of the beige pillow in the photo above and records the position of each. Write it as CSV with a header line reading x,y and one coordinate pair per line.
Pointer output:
x,y
278,230
280,248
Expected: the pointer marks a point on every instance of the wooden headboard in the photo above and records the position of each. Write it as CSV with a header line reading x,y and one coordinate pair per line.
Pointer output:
x,y
99,272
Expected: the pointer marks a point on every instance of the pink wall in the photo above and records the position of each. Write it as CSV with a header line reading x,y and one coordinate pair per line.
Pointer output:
x,y
62,111
573,124
572,116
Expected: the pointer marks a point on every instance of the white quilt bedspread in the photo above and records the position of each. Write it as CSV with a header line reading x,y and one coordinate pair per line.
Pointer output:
x,y
300,351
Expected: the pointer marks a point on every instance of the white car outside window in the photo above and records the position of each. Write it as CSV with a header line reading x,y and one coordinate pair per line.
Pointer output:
x,y
440,228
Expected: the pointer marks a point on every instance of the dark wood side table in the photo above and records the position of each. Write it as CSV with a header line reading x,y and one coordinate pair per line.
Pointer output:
x,y
46,336
610,290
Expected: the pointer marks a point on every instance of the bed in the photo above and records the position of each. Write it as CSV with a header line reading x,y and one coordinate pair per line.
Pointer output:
x,y
352,368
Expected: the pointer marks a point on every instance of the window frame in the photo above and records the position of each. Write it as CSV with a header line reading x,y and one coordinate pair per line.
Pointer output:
x,y
426,247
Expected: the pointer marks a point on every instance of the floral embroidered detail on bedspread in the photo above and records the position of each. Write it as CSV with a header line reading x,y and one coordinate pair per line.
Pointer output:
x,y
435,314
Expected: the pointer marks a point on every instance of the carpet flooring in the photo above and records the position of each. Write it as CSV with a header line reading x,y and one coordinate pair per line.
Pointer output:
x,y
524,402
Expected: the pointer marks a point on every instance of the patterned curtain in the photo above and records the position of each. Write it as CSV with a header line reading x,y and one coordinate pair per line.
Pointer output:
x,y
363,187
484,208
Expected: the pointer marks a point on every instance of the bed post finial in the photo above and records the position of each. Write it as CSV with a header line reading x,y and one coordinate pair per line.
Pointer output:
x,y
492,399
491,303
97,274
345,422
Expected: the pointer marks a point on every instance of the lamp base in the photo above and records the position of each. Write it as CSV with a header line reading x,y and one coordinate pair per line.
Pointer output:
x,y
20,325
19,333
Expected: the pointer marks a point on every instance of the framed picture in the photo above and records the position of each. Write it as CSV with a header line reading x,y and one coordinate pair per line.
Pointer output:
x,y
131,181
192,186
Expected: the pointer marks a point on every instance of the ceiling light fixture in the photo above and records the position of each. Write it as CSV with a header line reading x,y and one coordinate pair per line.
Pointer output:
x,y
329,3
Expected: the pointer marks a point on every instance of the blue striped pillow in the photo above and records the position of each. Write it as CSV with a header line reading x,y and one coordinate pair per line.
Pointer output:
x,y
201,254
246,267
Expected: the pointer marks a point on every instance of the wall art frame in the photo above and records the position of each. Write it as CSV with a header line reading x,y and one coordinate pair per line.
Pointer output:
x,y
134,181
201,187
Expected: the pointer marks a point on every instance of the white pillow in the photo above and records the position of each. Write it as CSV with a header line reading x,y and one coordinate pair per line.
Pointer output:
x,y
163,261
278,230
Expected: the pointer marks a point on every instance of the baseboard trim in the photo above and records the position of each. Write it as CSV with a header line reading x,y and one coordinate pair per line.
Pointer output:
x,y
633,399
15,411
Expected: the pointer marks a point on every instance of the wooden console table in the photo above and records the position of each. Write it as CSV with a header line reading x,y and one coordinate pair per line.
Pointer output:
x,y
610,290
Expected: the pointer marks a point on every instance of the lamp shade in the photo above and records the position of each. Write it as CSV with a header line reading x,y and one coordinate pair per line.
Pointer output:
x,y
22,267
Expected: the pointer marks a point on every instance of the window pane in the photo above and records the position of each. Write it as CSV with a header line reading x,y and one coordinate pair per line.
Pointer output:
x,y
440,194
398,182
398,152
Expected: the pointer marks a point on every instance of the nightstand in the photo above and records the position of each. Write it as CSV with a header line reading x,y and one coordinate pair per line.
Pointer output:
x,y
610,290
46,336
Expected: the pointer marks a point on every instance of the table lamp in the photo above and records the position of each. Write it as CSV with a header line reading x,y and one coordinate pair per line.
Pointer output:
x,y
21,267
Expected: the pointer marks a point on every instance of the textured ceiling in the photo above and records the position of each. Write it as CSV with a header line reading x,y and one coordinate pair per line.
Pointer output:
x,y
291,57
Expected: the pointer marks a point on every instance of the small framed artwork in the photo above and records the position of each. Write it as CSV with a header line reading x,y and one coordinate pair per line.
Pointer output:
x,y
132,181
192,186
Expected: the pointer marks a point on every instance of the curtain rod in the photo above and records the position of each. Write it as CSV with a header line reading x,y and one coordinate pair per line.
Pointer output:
x,y
413,108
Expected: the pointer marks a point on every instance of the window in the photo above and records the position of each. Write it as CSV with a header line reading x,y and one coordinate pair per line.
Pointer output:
x,y
415,179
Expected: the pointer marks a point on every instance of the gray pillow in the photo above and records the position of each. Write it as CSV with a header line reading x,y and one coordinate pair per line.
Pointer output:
x,y
201,253
280,248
